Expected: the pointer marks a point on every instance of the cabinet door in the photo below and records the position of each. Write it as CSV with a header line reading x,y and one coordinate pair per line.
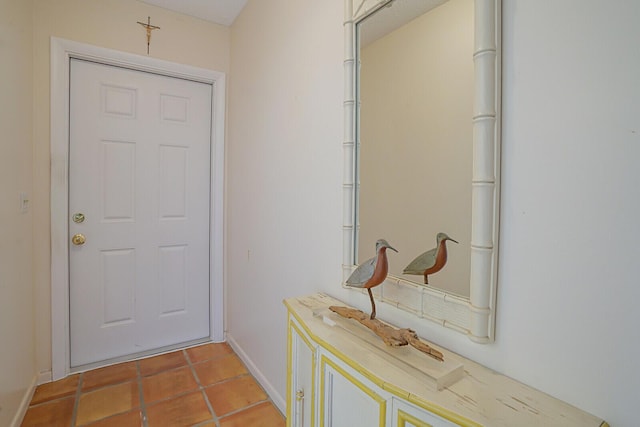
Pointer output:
x,y
301,368
408,415
346,400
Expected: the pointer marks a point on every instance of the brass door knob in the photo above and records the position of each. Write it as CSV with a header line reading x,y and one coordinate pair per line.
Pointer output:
x,y
78,217
78,239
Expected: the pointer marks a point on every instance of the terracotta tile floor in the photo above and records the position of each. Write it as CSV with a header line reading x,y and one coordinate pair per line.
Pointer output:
x,y
207,385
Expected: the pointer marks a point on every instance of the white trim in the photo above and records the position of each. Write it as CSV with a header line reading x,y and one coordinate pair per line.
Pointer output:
x,y
24,403
61,52
473,316
44,377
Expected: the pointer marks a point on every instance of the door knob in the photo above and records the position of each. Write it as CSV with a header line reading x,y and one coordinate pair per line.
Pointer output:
x,y
78,217
78,239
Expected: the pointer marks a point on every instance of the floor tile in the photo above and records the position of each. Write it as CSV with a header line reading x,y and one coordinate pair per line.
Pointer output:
x,y
216,370
170,385
208,351
162,362
234,394
57,413
262,415
57,389
128,419
185,410
167,384
109,375
107,401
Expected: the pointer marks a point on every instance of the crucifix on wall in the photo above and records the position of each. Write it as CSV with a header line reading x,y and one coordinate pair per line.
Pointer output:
x,y
147,25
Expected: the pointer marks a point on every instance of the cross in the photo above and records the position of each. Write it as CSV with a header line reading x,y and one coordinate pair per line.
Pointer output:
x,y
149,28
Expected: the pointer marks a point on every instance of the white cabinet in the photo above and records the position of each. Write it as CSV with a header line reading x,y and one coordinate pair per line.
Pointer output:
x,y
346,398
326,389
341,396
339,377
301,371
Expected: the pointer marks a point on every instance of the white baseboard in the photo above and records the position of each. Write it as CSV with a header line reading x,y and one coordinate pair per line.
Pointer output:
x,y
268,387
24,404
45,377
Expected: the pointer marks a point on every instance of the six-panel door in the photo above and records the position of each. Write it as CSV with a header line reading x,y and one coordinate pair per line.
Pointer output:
x,y
139,175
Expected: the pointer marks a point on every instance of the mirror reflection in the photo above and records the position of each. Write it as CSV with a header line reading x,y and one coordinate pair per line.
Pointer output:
x,y
415,154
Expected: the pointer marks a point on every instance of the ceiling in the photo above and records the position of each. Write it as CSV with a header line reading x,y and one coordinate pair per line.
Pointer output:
x,y
394,16
222,12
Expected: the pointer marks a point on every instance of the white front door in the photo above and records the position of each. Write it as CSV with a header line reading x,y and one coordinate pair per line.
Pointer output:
x,y
139,193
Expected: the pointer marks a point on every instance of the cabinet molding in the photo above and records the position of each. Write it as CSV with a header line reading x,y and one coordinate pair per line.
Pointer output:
x,y
294,332
403,418
325,390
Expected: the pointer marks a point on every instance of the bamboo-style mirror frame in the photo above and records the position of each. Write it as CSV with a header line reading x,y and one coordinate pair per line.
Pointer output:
x,y
473,316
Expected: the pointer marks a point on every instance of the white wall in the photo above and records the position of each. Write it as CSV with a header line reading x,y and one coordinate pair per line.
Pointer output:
x,y
17,353
566,321
571,145
284,169
112,25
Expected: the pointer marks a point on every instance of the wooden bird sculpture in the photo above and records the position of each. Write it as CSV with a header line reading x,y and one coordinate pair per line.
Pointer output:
x,y
431,261
372,272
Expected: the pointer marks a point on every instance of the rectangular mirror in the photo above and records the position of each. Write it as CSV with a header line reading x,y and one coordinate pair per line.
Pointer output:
x,y
415,135
422,151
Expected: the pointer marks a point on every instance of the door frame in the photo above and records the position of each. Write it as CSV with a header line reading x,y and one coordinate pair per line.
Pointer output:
x,y
61,53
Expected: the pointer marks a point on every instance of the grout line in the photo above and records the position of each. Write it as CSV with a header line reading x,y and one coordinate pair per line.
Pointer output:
x,y
175,396
107,385
216,358
201,388
143,406
77,400
48,401
249,406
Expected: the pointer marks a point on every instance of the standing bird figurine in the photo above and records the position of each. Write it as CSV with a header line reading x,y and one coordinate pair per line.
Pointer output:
x,y
372,272
431,261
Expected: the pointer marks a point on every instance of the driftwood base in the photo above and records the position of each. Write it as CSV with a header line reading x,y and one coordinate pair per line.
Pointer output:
x,y
390,336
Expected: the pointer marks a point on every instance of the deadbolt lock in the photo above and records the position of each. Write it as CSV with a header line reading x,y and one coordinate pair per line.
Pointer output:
x,y
78,239
78,218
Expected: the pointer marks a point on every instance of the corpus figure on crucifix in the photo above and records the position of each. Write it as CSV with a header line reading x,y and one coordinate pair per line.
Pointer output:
x,y
149,28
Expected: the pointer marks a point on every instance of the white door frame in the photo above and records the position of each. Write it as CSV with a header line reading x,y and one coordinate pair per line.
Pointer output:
x,y
61,53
